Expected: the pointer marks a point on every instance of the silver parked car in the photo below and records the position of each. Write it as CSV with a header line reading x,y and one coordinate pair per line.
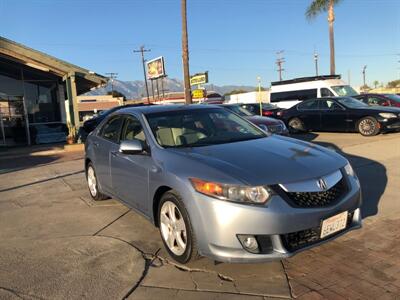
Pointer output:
x,y
217,185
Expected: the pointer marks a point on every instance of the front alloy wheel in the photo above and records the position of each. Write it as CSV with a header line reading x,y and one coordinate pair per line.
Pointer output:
x,y
175,228
93,184
368,126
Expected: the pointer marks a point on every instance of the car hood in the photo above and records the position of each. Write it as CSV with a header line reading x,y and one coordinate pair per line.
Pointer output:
x,y
263,120
270,160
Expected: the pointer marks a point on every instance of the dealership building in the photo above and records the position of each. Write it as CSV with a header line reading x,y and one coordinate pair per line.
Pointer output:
x,y
39,94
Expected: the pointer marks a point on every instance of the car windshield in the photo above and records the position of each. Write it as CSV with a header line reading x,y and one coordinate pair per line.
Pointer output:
x,y
352,103
200,127
393,97
344,90
239,110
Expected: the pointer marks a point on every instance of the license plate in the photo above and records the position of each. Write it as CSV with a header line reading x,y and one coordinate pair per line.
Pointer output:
x,y
334,224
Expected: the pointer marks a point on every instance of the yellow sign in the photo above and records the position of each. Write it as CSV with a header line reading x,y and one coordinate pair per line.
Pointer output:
x,y
198,94
200,78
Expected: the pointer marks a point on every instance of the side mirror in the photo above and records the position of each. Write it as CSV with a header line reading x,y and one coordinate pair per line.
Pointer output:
x,y
131,147
264,128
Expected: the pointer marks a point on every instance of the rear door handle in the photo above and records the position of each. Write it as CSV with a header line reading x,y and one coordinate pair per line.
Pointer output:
x,y
96,144
114,153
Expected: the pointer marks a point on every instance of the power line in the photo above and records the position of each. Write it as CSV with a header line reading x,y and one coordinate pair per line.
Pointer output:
x,y
279,62
112,76
142,50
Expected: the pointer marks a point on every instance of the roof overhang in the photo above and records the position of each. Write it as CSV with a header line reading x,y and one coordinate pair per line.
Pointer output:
x,y
85,79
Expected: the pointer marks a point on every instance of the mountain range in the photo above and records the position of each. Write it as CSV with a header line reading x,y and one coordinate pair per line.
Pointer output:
x,y
136,89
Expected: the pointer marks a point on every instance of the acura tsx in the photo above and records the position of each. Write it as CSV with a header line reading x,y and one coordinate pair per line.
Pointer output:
x,y
217,185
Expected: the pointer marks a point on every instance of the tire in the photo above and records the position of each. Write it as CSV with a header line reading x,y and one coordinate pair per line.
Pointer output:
x,y
93,186
174,222
296,125
368,126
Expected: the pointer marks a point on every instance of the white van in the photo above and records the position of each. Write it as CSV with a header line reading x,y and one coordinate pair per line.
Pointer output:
x,y
287,93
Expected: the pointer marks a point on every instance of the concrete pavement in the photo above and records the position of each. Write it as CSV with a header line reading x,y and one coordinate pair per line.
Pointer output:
x,y
57,243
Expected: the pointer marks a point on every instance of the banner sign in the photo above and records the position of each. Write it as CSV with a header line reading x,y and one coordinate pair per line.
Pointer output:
x,y
199,94
200,78
155,68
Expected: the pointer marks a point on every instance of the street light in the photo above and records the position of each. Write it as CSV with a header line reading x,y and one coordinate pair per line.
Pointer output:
x,y
363,71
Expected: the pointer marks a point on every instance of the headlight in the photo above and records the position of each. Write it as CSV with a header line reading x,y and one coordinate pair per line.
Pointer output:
x,y
235,193
388,115
349,170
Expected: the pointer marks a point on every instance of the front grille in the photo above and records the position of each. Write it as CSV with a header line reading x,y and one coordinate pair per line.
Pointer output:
x,y
296,240
275,128
318,199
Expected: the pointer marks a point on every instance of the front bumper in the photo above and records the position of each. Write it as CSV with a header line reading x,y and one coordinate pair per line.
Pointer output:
x,y
222,221
390,124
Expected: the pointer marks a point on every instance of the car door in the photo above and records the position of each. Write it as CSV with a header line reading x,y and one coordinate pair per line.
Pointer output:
x,y
105,143
333,116
309,114
130,172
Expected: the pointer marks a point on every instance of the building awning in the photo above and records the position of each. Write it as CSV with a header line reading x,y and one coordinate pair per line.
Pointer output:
x,y
85,79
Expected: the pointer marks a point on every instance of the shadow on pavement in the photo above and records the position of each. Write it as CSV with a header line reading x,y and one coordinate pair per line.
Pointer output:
x,y
372,174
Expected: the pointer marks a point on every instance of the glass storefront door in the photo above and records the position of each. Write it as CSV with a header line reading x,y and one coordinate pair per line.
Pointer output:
x,y
13,124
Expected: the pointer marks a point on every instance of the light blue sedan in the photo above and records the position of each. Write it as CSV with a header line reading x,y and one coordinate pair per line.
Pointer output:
x,y
217,185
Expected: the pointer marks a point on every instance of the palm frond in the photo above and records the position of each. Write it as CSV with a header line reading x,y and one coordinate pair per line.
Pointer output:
x,y
318,6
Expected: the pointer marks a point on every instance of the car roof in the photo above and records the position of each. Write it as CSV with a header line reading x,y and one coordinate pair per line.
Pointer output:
x,y
166,108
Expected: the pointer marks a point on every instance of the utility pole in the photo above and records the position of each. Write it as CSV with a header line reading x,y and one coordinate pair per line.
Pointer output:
x,y
142,50
316,63
363,72
112,76
279,61
185,54
259,94
348,77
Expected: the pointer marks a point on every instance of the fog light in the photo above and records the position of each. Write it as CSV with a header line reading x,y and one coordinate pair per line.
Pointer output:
x,y
249,243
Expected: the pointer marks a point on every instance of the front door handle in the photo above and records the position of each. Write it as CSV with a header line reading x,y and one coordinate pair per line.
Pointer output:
x,y
114,153
96,144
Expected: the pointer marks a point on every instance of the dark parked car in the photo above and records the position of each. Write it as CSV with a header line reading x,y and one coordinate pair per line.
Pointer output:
x,y
268,110
380,99
341,114
91,124
272,125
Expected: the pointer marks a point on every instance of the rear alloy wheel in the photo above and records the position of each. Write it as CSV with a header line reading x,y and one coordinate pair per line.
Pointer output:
x,y
175,228
368,126
296,125
92,184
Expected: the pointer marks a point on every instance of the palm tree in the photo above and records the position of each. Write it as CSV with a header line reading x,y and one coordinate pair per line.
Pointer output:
x,y
315,8
185,54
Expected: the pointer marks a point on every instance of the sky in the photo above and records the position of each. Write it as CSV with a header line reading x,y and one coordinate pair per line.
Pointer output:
x,y
235,40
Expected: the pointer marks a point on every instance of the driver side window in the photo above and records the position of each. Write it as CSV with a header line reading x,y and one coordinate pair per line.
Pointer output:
x,y
133,130
112,129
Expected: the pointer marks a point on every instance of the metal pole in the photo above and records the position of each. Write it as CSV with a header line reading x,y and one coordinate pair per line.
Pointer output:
x,y
158,90
316,63
162,87
152,89
364,68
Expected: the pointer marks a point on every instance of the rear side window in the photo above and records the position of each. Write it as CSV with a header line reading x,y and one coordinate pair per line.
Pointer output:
x,y
294,95
112,129
308,105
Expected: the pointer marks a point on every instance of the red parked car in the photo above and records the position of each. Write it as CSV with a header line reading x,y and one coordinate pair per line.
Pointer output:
x,y
380,99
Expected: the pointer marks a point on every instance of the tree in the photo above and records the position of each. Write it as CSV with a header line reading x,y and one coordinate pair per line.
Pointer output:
x,y
376,83
185,54
393,84
318,6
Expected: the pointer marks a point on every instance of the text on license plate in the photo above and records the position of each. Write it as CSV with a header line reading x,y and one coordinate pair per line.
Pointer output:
x,y
334,224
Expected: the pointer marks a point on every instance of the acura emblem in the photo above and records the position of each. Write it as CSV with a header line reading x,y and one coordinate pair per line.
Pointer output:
x,y
322,184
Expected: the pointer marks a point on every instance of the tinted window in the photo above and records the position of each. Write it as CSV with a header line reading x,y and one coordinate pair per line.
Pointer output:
x,y
329,105
352,103
326,93
393,97
111,130
294,95
308,105
133,130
